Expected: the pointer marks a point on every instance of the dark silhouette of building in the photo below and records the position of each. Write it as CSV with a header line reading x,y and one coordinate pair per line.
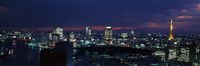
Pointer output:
x,y
61,55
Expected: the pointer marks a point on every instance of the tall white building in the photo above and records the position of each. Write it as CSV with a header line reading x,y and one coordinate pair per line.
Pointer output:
x,y
184,54
58,30
133,37
71,37
172,54
108,35
88,30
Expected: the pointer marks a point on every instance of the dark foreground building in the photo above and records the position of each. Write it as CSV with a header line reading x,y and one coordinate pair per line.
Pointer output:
x,y
61,55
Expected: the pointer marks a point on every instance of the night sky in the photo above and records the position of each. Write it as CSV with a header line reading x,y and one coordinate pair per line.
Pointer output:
x,y
146,15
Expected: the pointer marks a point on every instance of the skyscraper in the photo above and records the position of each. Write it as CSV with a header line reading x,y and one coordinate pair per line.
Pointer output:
x,y
58,30
133,37
71,37
171,35
88,31
108,34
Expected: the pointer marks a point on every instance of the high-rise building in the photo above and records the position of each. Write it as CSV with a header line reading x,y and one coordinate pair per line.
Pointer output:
x,y
171,35
172,53
108,34
88,31
71,37
132,32
184,54
188,53
133,37
61,55
58,30
55,37
198,54
49,35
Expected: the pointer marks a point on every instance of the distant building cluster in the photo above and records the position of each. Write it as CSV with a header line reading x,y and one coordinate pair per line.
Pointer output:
x,y
6,36
167,49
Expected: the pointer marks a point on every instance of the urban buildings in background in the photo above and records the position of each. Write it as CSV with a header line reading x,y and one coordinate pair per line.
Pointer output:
x,y
109,48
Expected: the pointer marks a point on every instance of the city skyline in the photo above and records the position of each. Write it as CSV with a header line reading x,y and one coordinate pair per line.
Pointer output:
x,y
73,15
100,33
101,29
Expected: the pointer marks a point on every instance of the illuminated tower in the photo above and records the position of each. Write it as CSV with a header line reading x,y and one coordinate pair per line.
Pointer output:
x,y
59,31
71,37
133,37
108,35
88,31
171,35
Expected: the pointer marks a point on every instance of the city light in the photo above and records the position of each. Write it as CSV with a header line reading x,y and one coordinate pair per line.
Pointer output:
x,y
100,33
